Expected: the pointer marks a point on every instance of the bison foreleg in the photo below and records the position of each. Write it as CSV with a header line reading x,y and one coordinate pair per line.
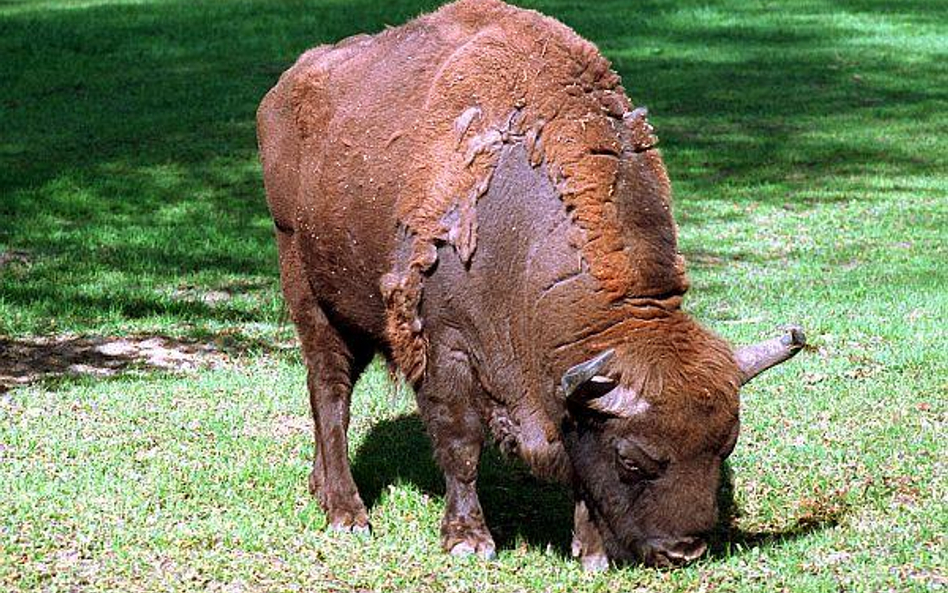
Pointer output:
x,y
446,399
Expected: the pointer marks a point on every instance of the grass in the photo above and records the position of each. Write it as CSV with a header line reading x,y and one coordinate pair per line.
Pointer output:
x,y
808,144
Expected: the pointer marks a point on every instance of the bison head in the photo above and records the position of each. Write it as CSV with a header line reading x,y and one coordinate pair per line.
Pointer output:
x,y
647,432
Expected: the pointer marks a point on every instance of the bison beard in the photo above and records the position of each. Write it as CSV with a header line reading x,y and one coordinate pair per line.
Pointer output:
x,y
474,195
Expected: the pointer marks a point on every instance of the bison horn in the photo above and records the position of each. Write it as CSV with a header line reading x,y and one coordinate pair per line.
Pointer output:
x,y
584,385
584,372
755,359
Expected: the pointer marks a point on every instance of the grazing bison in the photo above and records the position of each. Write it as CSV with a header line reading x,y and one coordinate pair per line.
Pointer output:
x,y
474,195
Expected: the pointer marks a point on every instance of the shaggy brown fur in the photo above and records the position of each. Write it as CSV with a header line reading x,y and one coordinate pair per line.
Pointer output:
x,y
473,194
446,92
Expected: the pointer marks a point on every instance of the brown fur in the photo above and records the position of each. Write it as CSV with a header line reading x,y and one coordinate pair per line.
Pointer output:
x,y
473,194
528,77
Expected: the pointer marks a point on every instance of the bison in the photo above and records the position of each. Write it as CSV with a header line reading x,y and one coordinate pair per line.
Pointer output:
x,y
473,195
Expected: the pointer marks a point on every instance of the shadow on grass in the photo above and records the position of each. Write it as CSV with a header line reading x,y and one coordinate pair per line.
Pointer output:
x,y
728,539
517,506
520,508
129,146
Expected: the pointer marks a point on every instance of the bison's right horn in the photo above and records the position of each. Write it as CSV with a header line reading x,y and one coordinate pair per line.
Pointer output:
x,y
584,371
755,359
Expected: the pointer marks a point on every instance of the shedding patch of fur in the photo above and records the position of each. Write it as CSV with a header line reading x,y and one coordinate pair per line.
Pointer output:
x,y
486,74
526,78
572,113
404,327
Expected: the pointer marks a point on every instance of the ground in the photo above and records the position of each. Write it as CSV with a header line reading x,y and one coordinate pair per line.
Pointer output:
x,y
153,423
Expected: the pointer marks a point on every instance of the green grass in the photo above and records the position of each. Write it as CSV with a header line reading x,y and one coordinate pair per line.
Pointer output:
x,y
808,144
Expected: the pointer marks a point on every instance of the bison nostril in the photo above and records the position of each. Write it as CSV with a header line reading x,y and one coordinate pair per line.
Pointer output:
x,y
671,552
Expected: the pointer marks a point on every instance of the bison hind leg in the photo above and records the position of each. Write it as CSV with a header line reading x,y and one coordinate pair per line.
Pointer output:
x,y
334,361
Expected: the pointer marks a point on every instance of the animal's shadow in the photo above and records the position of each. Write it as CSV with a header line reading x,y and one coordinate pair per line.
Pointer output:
x,y
522,509
517,506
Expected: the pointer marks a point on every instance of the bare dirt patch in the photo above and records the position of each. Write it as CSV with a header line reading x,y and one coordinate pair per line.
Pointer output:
x,y
14,256
25,360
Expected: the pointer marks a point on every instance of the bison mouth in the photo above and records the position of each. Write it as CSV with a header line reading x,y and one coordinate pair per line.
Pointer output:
x,y
652,551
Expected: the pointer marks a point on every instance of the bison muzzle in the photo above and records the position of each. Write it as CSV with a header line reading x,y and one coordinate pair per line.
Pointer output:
x,y
474,195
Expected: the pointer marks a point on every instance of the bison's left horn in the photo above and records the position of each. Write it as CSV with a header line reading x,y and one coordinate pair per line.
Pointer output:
x,y
584,371
755,359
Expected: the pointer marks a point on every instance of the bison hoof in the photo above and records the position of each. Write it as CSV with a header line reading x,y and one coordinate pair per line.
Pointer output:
x,y
595,563
358,525
483,549
466,536
360,530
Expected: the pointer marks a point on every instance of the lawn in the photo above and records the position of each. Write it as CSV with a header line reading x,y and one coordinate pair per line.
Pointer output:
x,y
807,141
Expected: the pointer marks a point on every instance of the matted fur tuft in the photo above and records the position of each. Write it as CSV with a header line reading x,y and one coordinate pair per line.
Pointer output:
x,y
492,74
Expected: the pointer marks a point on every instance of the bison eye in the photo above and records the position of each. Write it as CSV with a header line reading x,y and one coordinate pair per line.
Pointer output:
x,y
635,465
630,472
